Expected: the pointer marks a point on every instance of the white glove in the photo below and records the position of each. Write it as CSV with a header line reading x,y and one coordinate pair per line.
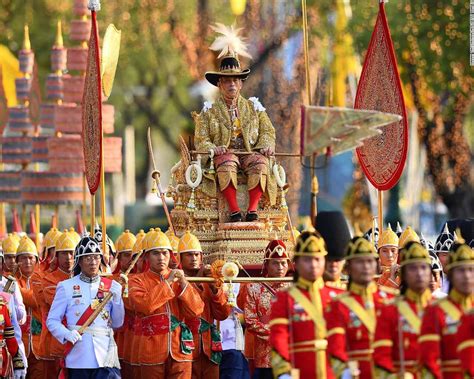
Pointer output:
x,y
73,336
285,376
19,374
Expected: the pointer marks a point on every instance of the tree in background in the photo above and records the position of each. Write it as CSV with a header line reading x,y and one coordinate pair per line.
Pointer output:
x,y
432,46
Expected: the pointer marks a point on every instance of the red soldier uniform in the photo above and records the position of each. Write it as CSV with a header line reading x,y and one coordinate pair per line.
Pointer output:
x,y
438,338
466,343
8,343
351,318
398,324
297,325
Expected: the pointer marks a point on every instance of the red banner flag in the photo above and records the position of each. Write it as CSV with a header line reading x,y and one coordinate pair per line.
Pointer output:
x,y
382,157
92,112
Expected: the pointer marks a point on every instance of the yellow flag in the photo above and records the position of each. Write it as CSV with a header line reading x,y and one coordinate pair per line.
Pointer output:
x,y
10,71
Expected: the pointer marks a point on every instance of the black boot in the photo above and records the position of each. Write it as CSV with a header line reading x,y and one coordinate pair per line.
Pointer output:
x,y
236,217
251,216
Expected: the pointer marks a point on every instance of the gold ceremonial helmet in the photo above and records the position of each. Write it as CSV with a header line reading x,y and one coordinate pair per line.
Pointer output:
x,y
138,246
173,239
26,246
155,239
188,243
360,247
10,244
68,240
51,237
408,235
125,242
310,244
414,252
388,238
460,253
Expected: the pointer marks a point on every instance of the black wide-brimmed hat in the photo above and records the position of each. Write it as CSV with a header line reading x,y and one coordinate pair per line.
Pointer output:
x,y
332,226
229,66
230,45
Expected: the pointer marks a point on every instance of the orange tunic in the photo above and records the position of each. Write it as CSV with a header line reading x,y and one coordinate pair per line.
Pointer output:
x,y
438,337
215,308
53,348
207,350
159,306
399,321
31,329
250,337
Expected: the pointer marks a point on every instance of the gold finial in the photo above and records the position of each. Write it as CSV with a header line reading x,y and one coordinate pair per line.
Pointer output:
x,y
59,35
458,237
357,231
26,40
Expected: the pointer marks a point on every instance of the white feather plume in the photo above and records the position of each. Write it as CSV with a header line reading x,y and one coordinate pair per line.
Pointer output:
x,y
229,42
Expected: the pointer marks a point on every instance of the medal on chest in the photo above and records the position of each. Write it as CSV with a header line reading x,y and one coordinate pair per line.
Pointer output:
x,y
76,291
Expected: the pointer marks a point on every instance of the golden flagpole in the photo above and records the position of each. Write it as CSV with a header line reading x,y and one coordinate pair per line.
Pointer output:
x,y
102,194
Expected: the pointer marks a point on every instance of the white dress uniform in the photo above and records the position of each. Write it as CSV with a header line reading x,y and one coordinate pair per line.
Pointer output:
x,y
73,297
20,309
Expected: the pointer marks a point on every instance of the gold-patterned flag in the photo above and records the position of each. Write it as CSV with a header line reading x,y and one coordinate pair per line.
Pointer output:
x,y
382,157
92,111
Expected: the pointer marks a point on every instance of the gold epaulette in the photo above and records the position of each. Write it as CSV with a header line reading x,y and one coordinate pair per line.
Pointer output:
x,y
389,290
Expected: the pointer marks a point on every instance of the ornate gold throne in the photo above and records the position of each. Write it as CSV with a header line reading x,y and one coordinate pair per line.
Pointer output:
x,y
207,216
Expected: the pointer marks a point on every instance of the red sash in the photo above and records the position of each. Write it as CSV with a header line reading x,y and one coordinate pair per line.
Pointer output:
x,y
104,287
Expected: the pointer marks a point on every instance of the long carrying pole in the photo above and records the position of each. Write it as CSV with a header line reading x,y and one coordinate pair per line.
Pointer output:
x,y
156,177
102,195
204,279
195,152
380,201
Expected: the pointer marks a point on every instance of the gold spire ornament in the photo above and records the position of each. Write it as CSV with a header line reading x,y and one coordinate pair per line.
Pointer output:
x,y
59,42
26,39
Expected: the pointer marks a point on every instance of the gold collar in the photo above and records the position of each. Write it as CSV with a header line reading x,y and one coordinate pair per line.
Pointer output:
x,y
420,299
310,286
364,291
465,301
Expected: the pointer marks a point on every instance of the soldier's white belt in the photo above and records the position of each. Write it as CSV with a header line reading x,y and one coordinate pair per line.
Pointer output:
x,y
94,331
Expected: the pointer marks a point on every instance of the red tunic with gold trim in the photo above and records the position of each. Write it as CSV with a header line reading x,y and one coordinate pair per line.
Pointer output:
x,y
8,342
298,330
438,338
466,343
257,317
351,323
399,321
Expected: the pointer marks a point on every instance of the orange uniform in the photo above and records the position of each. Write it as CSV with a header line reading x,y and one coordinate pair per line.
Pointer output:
x,y
466,343
298,330
207,341
31,329
53,350
164,342
397,330
249,348
351,323
439,336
